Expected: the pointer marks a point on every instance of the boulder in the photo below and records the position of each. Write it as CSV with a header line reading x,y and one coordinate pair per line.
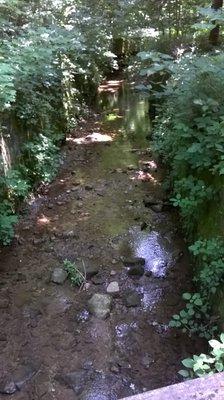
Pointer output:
x,y
100,305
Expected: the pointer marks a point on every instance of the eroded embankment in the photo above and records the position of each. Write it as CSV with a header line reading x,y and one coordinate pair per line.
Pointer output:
x,y
105,208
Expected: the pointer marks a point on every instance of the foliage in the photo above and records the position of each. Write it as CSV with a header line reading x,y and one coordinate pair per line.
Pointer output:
x,y
190,195
50,66
76,277
41,158
7,221
195,318
204,364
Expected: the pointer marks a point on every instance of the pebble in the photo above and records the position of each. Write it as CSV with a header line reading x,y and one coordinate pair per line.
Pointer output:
x,y
113,288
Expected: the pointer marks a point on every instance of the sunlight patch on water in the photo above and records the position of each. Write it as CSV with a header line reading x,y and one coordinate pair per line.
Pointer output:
x,y
151,297
149,247
124,329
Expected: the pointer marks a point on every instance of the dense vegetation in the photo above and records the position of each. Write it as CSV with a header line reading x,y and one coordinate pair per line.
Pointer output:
x,y
189,137
53,56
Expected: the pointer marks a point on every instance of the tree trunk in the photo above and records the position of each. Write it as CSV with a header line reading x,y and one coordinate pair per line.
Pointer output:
x,y
214,34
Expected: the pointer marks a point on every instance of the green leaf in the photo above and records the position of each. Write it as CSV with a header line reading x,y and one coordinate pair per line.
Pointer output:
x,y
184,373
214,344
188,363
187,296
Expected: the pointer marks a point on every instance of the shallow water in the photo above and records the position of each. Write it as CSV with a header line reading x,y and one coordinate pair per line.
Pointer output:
x,y
94,213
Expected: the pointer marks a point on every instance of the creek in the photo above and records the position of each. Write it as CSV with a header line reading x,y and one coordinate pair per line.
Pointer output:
x,y
106,210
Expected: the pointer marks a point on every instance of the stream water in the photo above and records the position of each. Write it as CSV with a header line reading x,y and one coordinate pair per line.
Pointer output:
x,y
51,346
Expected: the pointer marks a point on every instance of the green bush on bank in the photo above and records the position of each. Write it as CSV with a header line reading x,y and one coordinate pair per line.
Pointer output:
x,y
50,68
189,137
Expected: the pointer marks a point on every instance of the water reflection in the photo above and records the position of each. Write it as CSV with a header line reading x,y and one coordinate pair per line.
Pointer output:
x,y
149,246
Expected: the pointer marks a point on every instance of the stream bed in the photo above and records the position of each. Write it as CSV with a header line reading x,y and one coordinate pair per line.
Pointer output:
x,y
106,210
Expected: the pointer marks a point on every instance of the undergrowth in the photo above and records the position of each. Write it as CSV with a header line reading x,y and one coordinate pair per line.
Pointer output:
x,y
189,138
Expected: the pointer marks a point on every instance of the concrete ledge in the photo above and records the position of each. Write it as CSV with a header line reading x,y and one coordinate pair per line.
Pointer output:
x,y
210,388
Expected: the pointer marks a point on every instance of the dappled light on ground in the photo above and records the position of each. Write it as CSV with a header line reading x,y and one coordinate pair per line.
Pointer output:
x,y
110,86
94,137
43,220
144,177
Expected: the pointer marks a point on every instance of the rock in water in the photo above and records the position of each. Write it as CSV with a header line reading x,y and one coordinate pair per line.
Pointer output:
x,y
113,288
130,262
132,298
59,276
100,305
135,266
136,270
74,380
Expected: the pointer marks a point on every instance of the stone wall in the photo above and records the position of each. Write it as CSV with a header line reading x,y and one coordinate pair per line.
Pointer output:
x,y
208,388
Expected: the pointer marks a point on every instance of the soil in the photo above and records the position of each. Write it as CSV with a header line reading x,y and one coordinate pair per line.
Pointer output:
x,y
51,347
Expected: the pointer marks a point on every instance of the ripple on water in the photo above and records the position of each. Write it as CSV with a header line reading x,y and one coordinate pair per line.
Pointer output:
x,y
150,247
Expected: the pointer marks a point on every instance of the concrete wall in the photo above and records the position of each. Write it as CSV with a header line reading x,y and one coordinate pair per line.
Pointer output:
x,y
209,388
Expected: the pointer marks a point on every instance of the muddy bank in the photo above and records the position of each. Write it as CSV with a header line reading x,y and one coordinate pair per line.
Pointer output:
x,y
107,210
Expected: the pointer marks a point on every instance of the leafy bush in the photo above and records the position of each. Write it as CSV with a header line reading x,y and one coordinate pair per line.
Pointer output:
x,y
191,197
7,221
202,365
41,159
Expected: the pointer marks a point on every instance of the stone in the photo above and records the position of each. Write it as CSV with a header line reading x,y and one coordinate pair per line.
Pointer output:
x,y
157,207
148,273
100,305
59,276
24,374
129,262
88,187
147,361
8,387
20,378
69,235
113,273
88,365
98,279
136,270
74,380
132,298
89,270
87,286
113,288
